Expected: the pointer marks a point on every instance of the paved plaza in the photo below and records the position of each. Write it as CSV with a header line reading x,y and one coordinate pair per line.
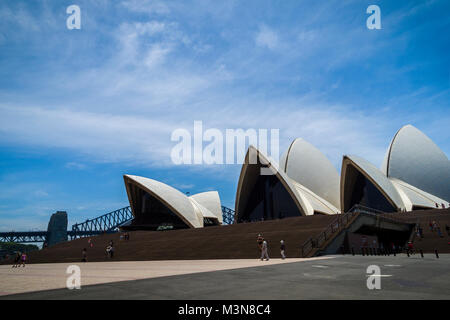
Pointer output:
x,y
38,277
335,277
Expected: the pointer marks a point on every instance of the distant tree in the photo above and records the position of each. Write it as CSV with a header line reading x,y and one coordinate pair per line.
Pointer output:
x,y
10,248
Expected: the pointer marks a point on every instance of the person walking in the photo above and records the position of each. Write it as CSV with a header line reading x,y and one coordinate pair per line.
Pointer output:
x,y
24,259
84,255
264,253
410,247
434,225
259,241
282,250
17,260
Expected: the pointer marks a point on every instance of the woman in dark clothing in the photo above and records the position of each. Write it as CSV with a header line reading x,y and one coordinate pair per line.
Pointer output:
x,y
84,255
17,260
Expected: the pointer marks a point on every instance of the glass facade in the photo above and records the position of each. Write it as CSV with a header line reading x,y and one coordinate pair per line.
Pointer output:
x,y
151,213
268,200
360,190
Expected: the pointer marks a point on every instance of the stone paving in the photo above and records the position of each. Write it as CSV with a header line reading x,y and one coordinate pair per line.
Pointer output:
x,y
38,277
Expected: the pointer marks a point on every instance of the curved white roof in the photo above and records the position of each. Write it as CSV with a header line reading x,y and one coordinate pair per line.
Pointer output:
x,y
307,201
201,212
308,166
171,197
377,177
414,197
402,195
250,174
313,202
415,159
211,201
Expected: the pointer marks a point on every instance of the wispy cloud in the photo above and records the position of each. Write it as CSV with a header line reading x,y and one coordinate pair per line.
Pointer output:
x,y
266,37
146,6
113,92
75,165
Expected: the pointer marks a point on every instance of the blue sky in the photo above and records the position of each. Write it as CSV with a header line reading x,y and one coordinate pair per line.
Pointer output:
x,y
80,108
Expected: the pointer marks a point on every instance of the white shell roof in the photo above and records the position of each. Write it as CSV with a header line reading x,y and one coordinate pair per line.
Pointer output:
x,y
416,197
308,166
400,193
305,199
415,159
376,176
210,200
242,192
313,202
190,210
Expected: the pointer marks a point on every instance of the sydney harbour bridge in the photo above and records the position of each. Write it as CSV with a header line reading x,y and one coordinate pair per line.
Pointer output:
x,y
106,223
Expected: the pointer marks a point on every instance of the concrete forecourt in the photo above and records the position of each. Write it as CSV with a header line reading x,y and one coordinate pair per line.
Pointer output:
x,y
331,277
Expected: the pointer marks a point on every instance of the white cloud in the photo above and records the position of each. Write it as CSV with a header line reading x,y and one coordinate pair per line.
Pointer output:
x,y
146,6
266,37
24,223
104,137
75,165
40,193
128,111
184,187
146,140
156,55
307,35
150,28
146,43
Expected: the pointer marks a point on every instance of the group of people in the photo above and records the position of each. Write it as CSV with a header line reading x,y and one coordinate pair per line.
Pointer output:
x,y
109,250
434,226
125,236
20,259
84,251
419,232
263,247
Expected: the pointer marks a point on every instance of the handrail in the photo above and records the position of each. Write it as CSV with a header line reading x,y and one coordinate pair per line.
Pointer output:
x,y
390,218
361,208
335,226
340,223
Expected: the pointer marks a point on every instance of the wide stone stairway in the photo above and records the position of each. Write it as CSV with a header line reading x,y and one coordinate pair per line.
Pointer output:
x,y
431,240
218,242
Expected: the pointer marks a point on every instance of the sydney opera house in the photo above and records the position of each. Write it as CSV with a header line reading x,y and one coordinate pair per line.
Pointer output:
x,y
156,205
415,175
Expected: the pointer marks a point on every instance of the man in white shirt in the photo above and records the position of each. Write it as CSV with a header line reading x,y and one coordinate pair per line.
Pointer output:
x,y
264,251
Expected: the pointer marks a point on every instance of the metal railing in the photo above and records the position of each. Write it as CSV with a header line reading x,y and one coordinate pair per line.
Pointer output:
x,y
364,209
333,228
381,216
341,222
